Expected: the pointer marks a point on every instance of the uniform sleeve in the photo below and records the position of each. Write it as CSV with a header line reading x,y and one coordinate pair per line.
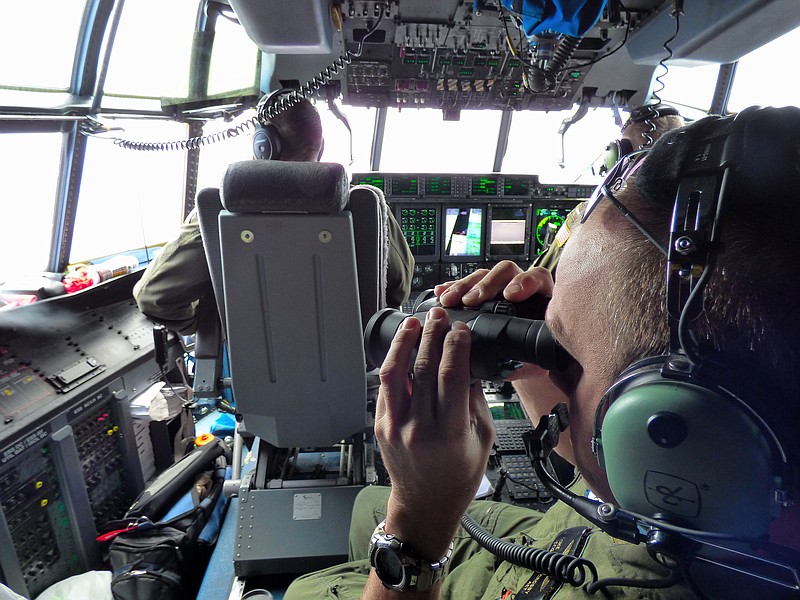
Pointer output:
x,y
174,282
549,258
401,266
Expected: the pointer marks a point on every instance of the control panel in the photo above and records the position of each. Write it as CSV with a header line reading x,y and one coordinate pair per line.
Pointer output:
x,y
457,223
453,55
72,457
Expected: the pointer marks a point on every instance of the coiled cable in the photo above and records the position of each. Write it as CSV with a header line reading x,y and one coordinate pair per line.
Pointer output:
x,y
566,48
540,79
564,568
677,11
188,144
264,110
270,110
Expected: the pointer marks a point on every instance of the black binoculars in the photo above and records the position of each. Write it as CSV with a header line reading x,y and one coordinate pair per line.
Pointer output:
x,y
504,335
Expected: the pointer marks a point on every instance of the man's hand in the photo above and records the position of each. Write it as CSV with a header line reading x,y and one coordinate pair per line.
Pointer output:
x,y
434,430
532,383
506,277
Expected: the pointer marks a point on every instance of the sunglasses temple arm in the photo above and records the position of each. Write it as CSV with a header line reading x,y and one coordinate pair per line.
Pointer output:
x,y
638,224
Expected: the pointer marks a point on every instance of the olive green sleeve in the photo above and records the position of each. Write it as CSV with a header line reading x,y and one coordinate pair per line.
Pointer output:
x,y
173,283
549,258
401,266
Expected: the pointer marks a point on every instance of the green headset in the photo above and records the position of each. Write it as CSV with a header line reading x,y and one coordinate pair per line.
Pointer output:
x,y
677,434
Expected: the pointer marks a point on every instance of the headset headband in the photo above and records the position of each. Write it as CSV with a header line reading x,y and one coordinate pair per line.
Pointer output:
x,y
648,112
695,225
276,103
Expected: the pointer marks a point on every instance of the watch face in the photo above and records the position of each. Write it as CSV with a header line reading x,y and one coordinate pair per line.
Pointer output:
x,y
388,566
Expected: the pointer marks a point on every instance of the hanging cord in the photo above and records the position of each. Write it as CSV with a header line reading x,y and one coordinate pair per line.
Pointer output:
x,y
264,111
270,110
677,11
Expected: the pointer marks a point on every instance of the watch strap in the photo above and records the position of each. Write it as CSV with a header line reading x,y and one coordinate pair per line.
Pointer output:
x,y
418,574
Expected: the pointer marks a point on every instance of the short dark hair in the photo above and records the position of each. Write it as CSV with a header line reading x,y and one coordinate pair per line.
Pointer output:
x,y
300,128
750,311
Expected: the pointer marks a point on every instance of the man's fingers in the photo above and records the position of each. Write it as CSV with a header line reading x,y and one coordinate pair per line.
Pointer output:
x,y
426,365
536,280
480,286
395,386
454,375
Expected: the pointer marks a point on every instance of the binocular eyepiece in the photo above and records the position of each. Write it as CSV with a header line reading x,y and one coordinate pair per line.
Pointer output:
x,y
504,335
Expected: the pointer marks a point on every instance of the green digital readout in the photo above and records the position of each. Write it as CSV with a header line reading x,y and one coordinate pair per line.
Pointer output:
x,y
437,186
404,186
378,182
484,186
515,186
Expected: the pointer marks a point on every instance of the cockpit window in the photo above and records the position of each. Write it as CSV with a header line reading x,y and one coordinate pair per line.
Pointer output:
x,y
762,76
337,138
126,187
160,70
28,201
421,140
215,158
158,65
233,59
38,53
690,89
534,144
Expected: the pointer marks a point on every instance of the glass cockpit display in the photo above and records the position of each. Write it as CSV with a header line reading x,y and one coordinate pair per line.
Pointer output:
x,y
547,222
463,227
419,226
508,232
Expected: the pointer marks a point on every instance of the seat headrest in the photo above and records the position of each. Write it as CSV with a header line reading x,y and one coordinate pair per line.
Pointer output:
x,y
258,186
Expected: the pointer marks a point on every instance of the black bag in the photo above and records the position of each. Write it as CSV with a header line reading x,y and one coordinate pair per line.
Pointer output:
x,y
165,559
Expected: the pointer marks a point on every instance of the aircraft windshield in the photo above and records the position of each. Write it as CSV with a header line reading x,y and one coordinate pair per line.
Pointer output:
x,y
132,200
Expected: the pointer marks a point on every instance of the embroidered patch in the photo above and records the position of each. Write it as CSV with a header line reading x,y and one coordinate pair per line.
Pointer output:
x,y
563,235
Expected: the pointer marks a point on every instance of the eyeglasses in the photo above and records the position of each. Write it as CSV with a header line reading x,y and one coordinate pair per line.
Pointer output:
x,y
624,168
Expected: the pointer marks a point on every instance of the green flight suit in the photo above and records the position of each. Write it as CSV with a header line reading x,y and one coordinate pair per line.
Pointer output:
x,y
476,574
549,258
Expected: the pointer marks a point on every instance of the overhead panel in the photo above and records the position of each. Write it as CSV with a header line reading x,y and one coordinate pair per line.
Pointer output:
x,y
455,55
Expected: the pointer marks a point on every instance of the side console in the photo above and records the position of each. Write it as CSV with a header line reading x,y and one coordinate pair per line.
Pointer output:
x,y
71,456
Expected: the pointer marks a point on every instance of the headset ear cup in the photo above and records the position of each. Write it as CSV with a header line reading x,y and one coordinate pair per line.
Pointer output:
x,y
625,147
687,453
614,152
267,142
610,157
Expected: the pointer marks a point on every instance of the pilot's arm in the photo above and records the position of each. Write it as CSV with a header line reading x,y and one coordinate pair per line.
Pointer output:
x,y
401,266
173,283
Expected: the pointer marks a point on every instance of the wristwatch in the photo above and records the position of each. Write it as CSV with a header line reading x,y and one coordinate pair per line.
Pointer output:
x,y
399,567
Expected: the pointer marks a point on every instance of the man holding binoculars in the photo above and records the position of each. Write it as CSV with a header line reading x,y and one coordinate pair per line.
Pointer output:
x,y
682,395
